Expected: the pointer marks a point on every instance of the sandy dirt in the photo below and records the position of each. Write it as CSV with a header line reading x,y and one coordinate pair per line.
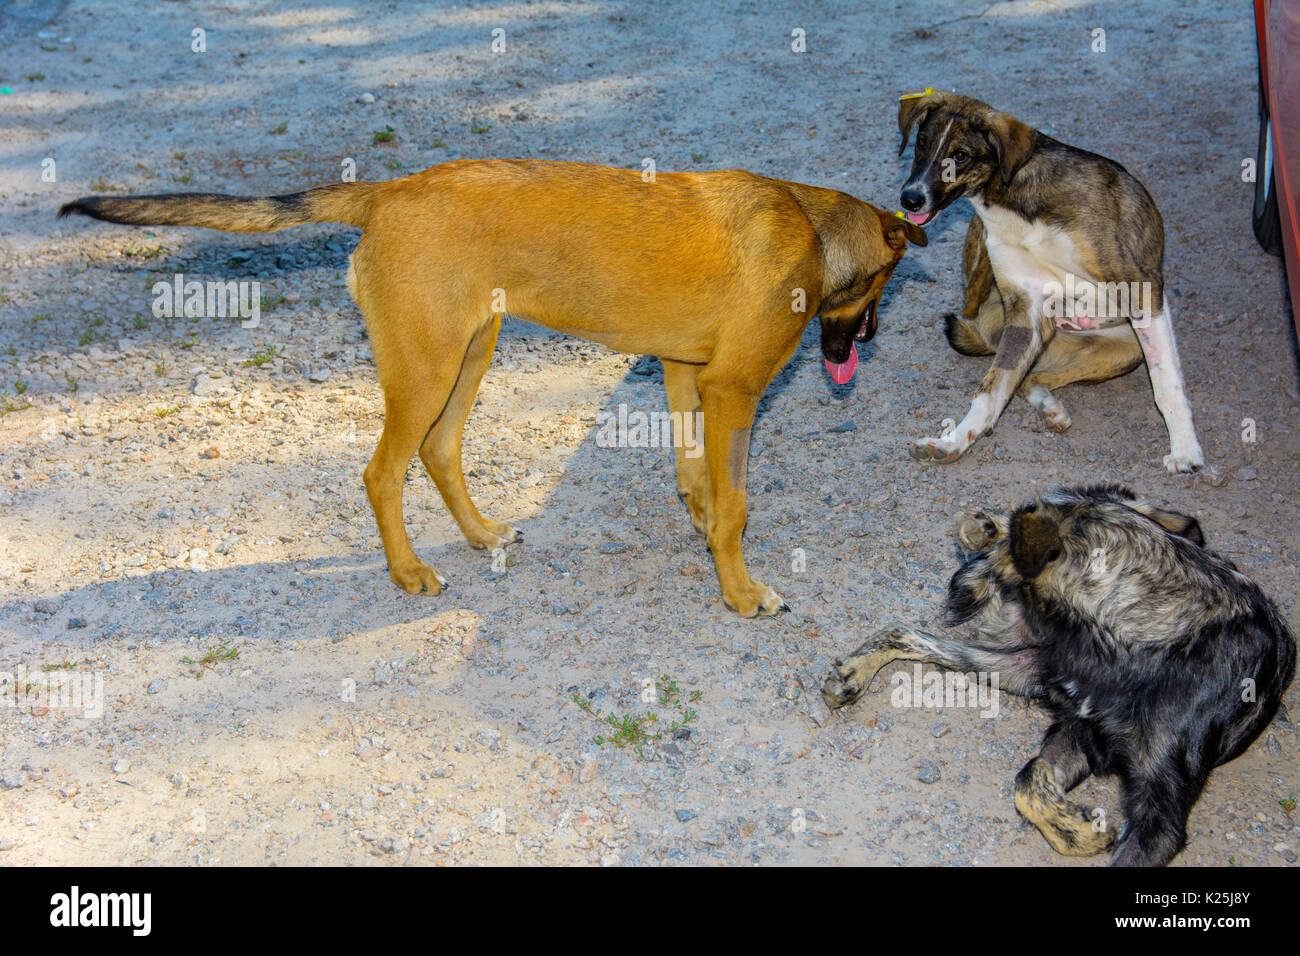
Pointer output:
x,y
176,489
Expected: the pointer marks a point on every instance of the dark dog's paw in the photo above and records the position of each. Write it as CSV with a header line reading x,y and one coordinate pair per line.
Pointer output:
x,y
841,687
977,531
846,682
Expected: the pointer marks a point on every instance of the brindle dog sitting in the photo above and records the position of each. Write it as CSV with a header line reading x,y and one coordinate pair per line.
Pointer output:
x,y
1064,268
1158,659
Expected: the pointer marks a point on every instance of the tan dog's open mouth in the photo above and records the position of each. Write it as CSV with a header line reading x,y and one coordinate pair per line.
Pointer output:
x,y
842,372
867,330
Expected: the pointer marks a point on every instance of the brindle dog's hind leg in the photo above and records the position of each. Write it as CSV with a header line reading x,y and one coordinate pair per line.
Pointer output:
x,y
1041,799
978,329
850,677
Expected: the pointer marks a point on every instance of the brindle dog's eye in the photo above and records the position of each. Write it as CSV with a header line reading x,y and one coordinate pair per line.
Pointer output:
x,y
922,140
961,157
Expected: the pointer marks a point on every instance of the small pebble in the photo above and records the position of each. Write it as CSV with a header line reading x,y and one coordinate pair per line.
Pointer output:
x,y
929,772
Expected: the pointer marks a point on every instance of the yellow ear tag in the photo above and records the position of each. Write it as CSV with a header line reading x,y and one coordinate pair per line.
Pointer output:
x,y
911,96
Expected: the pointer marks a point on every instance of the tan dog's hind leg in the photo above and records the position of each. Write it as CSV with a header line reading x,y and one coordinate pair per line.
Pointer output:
x,y
681,382
410,410
441,448
1040,797
418,373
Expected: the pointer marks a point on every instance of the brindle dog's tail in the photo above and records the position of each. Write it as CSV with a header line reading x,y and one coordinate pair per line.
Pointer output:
x,y
348,203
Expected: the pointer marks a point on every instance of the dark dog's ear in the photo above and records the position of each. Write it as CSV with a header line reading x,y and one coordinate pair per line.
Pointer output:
x,y
1035,540
898,232
1012,142
912,108
1175,522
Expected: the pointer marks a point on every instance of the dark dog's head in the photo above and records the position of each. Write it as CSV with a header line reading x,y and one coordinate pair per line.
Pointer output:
x,y
1089,525
865,260
962,146
1092,546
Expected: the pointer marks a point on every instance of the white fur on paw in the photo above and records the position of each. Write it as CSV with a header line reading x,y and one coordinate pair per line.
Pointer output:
x,y
1183,464
1057,421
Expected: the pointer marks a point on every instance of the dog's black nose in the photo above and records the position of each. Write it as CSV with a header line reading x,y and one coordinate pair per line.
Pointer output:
x,y
913,198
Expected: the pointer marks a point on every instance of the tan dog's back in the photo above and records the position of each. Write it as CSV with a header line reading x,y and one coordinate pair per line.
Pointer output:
x,y
644,267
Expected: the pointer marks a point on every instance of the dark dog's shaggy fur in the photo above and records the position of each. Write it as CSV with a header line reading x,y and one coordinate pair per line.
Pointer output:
x,y
1158,659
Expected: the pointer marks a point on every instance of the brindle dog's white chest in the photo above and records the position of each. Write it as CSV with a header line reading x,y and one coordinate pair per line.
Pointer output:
x,y
1031,256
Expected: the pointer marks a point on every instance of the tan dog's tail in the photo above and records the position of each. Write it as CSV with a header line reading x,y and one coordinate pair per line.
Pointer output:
x,y
344,202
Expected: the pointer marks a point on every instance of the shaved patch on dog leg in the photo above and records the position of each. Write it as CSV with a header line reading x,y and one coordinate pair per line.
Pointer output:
x,y
1013,348
738,458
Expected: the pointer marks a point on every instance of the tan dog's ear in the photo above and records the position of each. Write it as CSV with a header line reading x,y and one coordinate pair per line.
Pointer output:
x,y
1012,142
1035,540
1175,522
898,232
912,108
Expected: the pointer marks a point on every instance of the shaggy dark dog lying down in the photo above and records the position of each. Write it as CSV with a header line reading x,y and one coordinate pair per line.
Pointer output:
x,y
1158,659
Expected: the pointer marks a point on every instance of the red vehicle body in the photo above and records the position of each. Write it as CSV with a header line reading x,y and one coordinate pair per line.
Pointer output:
x,y
1277,185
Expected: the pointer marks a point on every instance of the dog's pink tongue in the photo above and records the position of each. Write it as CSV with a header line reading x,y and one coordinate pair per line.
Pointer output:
x,y
920,218
841,372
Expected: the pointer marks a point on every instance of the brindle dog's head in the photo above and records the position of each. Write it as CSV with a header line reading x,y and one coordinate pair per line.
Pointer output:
x,y
963,146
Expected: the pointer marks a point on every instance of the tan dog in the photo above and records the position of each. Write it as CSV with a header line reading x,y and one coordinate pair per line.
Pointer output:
x,y
716,273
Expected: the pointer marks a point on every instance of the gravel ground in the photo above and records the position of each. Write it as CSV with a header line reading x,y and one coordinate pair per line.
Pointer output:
x,y
165,498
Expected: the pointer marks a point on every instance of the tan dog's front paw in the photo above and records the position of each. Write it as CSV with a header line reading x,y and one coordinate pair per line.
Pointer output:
x,y
418,578
938,450
495,534
754,600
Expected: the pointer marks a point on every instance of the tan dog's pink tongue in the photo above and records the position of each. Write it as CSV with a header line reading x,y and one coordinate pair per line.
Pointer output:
x,y
841,372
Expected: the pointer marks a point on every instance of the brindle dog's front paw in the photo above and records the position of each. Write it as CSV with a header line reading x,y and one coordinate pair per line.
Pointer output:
x,y
755,599
418,578
1184,464
938,450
